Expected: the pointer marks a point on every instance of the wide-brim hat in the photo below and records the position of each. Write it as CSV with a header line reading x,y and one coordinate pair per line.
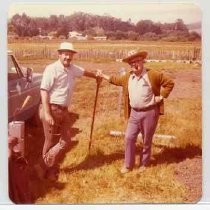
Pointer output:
x,y
67,46
133,54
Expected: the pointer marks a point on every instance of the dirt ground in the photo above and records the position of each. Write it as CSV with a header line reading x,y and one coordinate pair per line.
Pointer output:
x,y
189,171
187,84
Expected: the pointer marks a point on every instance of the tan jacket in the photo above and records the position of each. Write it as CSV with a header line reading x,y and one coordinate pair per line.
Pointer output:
x,y
161,85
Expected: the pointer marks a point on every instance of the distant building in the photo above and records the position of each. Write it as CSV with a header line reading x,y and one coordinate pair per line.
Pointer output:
x,y
76,35
45,37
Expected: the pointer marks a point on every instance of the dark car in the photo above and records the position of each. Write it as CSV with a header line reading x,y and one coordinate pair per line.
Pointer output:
x,y
23,91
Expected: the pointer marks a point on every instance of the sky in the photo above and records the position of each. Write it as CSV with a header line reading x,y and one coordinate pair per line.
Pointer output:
x,y
157,12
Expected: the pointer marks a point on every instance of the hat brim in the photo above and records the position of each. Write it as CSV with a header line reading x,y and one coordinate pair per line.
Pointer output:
x,y
142,54
60,50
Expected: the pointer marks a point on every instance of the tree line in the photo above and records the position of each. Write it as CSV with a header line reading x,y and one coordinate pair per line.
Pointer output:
x,y
95,25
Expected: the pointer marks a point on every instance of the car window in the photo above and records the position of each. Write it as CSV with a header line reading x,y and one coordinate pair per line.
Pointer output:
x,y
13,72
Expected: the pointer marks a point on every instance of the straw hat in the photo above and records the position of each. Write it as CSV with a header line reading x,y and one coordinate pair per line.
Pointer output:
x,y
133,54
67,46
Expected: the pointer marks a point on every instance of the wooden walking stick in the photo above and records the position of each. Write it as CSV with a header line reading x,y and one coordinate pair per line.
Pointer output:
x,y
93,117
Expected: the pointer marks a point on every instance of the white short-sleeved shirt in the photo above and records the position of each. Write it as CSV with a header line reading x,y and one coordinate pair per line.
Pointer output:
x,y
59,82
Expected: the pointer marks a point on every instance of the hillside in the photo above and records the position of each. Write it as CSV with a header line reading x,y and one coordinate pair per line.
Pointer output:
x,y
197,27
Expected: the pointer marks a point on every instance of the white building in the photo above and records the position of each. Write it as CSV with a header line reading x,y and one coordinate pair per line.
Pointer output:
x,y
76,35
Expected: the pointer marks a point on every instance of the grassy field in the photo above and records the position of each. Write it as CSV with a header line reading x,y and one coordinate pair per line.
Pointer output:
x,y
95,178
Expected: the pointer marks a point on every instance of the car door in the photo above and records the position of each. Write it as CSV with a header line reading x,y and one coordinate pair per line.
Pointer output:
x,y
17,85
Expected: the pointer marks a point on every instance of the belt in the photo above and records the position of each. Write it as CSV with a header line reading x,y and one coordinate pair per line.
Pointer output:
x,y
144,109
59,106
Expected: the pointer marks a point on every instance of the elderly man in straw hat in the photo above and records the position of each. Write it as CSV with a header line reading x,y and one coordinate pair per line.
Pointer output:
x,y
144,91
56,92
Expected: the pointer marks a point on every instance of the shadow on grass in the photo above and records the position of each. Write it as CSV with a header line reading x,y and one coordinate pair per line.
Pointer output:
x,y
95,161
34,144
176,155
167,155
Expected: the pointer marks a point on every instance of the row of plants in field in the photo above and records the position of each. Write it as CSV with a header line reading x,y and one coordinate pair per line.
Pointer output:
x,y
108,52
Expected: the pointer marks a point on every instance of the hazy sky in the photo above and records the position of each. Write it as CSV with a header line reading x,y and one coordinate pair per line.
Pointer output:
x,y
163,12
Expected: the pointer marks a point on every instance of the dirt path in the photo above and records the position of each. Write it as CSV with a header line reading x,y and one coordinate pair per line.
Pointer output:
x,y
189,172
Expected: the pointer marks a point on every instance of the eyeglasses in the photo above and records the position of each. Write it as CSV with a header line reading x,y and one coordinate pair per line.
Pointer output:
x,y
133,63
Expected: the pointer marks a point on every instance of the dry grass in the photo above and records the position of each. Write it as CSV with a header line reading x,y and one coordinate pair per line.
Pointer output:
x,y
95,178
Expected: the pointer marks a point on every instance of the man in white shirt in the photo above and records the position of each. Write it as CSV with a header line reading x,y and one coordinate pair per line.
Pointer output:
x,y
56,92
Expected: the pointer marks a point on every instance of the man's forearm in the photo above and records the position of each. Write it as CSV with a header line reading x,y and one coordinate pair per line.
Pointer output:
x,y
45,101
89,74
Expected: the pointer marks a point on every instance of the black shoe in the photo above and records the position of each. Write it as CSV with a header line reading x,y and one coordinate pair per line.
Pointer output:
x,y
40,172
52,174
